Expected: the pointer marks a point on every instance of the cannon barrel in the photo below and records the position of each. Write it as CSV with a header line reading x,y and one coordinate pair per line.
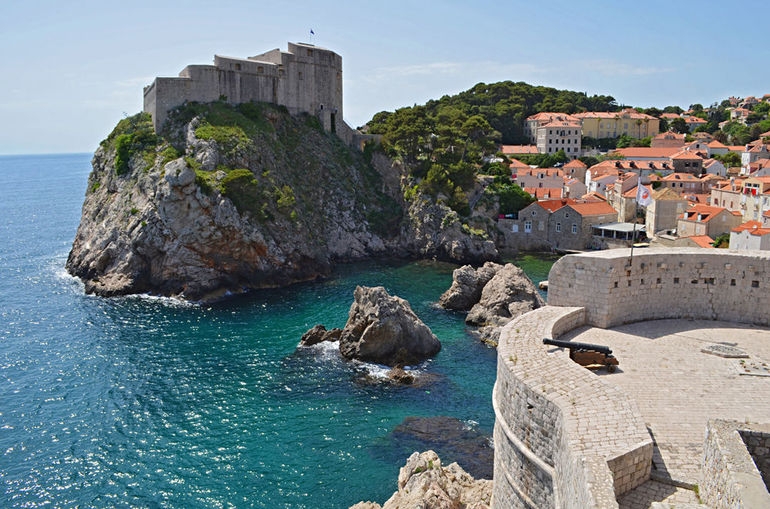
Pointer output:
x,y
572,345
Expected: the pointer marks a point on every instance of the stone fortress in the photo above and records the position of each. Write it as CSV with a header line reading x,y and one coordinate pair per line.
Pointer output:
x,y
304,79
684,422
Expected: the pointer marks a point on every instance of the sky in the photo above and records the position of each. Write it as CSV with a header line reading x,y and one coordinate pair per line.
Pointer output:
x,y
71,70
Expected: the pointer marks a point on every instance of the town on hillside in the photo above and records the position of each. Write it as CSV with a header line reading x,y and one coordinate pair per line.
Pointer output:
x,y
671,184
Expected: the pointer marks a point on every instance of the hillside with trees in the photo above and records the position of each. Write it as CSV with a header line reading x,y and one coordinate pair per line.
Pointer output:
x,y
445,143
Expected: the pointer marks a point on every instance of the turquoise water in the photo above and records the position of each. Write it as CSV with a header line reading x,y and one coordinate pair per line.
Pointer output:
x,y
141,402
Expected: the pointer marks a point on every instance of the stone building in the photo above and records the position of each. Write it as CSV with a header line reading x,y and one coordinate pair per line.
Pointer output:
x,y
304,79
602,124
662,214
552,132
707,220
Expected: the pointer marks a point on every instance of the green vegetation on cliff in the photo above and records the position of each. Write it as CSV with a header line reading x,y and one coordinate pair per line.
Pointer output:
x,y
133,135
270,164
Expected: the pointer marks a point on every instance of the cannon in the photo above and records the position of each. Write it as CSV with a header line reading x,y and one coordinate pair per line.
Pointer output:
x,y
587,354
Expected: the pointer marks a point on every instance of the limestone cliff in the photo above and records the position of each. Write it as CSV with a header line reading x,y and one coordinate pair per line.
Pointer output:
x,y
231,198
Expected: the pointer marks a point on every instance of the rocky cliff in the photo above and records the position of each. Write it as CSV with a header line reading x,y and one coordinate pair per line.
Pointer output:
x,y
232,198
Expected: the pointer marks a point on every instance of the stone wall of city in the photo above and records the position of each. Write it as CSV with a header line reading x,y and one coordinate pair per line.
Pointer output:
x,y
732,453
563,437
688,283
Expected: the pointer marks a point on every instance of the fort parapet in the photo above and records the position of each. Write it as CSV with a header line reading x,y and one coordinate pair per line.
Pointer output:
x,y
566,438
304,79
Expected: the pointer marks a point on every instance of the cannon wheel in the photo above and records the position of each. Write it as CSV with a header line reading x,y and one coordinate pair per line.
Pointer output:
x,y
610,368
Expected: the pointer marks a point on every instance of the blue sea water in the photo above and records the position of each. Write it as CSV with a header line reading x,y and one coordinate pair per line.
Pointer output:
x,y
149,402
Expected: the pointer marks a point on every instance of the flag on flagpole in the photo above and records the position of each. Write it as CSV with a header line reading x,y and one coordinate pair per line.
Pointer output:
x,y
311,32
643,196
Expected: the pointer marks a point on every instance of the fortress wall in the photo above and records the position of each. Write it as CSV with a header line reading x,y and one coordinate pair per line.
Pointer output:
x,y
711,284
307,79
563,437
195,83
730,476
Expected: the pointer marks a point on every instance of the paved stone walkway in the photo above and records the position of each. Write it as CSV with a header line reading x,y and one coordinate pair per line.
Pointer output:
x,y
678,388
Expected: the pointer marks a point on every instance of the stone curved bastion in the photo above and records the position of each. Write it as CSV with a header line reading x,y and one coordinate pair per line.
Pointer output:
x,y
567,438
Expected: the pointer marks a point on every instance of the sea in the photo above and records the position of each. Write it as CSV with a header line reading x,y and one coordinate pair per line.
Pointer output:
x,y
152,402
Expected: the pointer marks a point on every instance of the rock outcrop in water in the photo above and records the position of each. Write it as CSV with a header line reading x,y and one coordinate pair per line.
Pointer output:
x,y
493,295
424,482
231,198
383,329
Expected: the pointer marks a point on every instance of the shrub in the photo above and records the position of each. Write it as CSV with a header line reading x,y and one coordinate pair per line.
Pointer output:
x,y
132,135
243,190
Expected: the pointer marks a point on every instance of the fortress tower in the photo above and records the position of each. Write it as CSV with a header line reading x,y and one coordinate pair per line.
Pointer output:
x,y
305,79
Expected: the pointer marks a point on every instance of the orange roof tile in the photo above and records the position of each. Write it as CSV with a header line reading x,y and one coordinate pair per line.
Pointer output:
x,y
626,113
554,205
687,154
593,208
705,212
544,193
645,152
519,149
702,241
577,163
748,225
515,163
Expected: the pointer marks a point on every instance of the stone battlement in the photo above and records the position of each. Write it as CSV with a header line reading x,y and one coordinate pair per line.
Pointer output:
x,y
566,438
691,283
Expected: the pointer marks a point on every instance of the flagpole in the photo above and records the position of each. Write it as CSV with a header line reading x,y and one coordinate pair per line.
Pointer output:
x,y
633,235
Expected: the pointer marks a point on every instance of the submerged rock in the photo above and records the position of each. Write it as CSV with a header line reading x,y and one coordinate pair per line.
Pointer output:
x,y
453,439
424,482
383,329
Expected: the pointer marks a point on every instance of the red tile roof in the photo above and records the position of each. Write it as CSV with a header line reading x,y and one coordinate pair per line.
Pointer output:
x,y
554,205
577,163
519,149
703,213
753,227
646,152
702,241
545,193
596,208
626,113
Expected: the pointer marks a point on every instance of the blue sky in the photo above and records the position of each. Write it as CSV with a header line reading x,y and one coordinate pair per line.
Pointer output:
x,y
71,70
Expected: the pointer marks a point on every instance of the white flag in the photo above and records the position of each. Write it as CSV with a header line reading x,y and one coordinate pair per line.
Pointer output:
x,y
643,196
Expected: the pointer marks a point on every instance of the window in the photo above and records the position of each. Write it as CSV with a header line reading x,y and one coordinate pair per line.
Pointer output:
x,y
260,69
527,226
558,227
574,227
237,67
